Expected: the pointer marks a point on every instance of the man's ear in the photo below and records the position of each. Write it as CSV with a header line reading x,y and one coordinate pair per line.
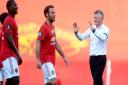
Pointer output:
x,y
10,8
46,14
102,18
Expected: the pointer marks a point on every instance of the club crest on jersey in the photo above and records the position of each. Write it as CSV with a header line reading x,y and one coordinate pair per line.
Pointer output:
x,y
40,34
53,31
9,27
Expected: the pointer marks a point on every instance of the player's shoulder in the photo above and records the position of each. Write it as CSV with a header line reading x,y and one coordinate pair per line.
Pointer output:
x,y
43,26
9,19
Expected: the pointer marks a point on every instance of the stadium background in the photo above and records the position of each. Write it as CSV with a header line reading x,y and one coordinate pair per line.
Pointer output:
x,y
30,18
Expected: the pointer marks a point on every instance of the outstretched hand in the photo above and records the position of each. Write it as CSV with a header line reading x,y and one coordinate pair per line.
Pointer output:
x,y
76,28
38,64
91,27
19,60
67,62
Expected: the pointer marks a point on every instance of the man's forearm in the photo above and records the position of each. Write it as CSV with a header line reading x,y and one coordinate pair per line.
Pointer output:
x,y
12,44
37,50
78,36
59,50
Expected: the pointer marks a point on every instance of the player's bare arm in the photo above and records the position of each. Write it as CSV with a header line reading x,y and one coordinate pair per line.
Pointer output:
x,y
13,46
59,50
38,54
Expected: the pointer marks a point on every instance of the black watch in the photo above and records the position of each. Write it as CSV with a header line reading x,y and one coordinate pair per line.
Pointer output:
x,y
76,32
93,30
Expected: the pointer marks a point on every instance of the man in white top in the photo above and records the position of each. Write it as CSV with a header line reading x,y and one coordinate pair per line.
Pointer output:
x,y
98,34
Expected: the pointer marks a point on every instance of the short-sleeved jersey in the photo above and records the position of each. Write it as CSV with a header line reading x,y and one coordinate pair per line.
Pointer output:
x,y
1,38
47,37
9,26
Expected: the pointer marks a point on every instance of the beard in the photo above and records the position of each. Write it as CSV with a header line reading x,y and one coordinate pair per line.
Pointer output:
x,y
51,20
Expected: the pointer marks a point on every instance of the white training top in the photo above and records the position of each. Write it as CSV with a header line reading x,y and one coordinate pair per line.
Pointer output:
x,y
98,39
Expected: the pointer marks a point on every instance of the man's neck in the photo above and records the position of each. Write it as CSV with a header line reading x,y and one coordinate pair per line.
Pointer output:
x,y
11,14
99,24
48,22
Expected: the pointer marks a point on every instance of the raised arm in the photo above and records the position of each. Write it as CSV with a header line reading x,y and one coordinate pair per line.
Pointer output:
x,y
80,36
102,35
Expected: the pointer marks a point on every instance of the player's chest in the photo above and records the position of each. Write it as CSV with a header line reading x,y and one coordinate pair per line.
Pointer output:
x,y
1,35
51,33
14,29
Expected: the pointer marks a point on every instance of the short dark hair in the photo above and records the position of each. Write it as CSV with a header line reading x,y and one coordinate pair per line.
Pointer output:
x,y
9,3
3,16
99,12
46,10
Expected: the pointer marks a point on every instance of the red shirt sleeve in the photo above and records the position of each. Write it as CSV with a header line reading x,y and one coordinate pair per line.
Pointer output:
x,y
8,26
42,34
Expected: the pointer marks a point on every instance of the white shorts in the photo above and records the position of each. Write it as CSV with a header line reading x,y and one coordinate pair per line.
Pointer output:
x,y
10,68
49,71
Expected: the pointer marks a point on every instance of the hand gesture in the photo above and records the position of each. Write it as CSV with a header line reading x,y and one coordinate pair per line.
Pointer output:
x,y
19,60
76,28
38,64
91,27
66,61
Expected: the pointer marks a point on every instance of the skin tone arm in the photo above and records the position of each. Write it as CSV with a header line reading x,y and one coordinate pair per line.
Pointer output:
x,y
80,36
38,54
59,50
13,47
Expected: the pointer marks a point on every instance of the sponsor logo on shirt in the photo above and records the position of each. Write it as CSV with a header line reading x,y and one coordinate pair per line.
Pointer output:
x,y
52,40
53,31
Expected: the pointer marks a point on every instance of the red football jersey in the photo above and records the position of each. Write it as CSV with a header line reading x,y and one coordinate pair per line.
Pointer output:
x,y
47,36
1,38
9,26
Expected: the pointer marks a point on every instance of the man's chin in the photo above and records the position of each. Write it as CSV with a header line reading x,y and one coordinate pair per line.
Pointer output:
x,y
52,21
16,13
